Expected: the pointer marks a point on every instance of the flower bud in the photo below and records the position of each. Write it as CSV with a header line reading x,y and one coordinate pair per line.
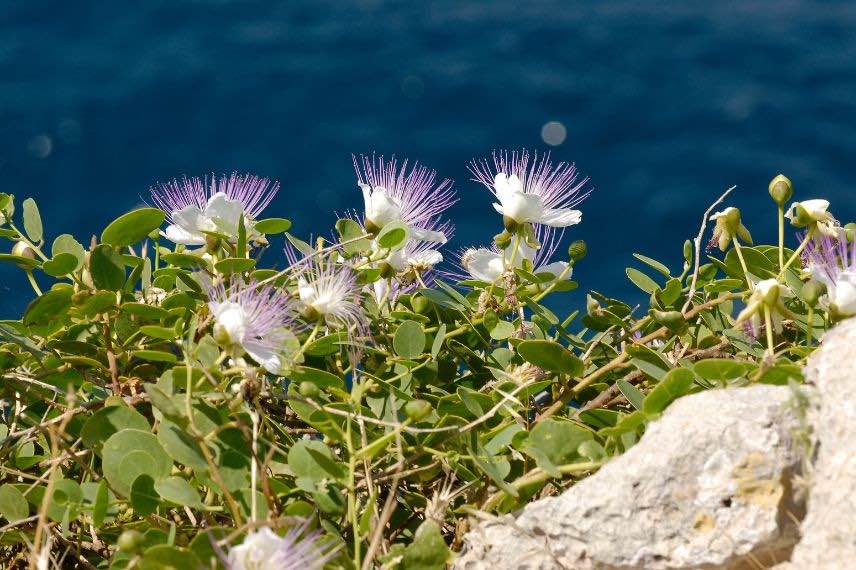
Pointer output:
x,y
850,232
592,306
672,320
420,304
130,541
417,410
812,292
688,251
22,249
308,389
781,190
502,240
577,250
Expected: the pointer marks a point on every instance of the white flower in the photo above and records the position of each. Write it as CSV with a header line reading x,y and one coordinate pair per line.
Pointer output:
x,y
396,195
329,290
768,294
832,261
265,550
815,215
536,192
195,206
488,265
257,319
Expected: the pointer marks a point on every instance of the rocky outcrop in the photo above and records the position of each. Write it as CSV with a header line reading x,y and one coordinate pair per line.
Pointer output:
x,y
829,530
707,486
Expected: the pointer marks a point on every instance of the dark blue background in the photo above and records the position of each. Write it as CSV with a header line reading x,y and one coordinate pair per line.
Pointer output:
x,y
664,106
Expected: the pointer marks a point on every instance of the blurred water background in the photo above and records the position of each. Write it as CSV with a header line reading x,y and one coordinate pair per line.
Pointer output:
x,y
663,105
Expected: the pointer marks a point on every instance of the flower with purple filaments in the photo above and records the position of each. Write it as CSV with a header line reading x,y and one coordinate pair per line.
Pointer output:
x,y
198,205
489,264
832,261
258,319
532,189
328,291
263,549
392,193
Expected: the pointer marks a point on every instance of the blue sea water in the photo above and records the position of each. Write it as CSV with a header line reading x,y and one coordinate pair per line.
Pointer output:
x,y
664,105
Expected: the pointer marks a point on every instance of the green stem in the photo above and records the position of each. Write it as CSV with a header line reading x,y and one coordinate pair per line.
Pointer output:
x,y
33,283
794,256
809,325
739,251
768,322
781,236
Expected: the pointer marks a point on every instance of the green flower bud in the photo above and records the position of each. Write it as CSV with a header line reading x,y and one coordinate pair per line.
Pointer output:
x,y
308,389
130,541
420,304
781,190
850,232
502,240
672,320
577,250
688,251
592,306
417,410
812,292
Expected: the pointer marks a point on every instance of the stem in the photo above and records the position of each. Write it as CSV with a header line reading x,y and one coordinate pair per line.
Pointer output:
x,y
781,236
809,325
768,322
33,283
739,251
794,256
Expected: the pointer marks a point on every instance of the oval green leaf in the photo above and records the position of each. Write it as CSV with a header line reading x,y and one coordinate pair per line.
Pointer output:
x,y
132,227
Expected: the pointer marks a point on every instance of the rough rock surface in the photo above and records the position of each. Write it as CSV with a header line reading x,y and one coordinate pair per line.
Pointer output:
x,y
707,486
829,530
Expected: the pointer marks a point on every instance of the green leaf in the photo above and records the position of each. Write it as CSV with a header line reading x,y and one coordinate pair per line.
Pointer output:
x,y
272,226
32,220
719,369
66,243
144,497
102,501
108,421
144,311
50,306
132,227
437,345
393,236
350,231
327,345
632,393
155,355
314,461
167,557
234,265
550,356
155,331
179,491
107,268
648,361
556,440
181,447
19,260
428,551
131,453
61,264
186,261
320,378
641,280
13,505
673,385
409,340
653,263
65,501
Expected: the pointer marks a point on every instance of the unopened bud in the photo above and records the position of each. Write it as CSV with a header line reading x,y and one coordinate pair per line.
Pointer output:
x,y
417,410
420,304
592,306
850,232
781,190
688,251
130,541
577,250
672,320
502,240
812,292
22,249
308,389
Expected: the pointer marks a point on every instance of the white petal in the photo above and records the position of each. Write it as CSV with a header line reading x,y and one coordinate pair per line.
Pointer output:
x,y
382,208
397,259
816,208
225,213
426,257
522,207
230,316
505,186
484,264
269,359
422,234
556,268
256,550
560,217
845,293
177,234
